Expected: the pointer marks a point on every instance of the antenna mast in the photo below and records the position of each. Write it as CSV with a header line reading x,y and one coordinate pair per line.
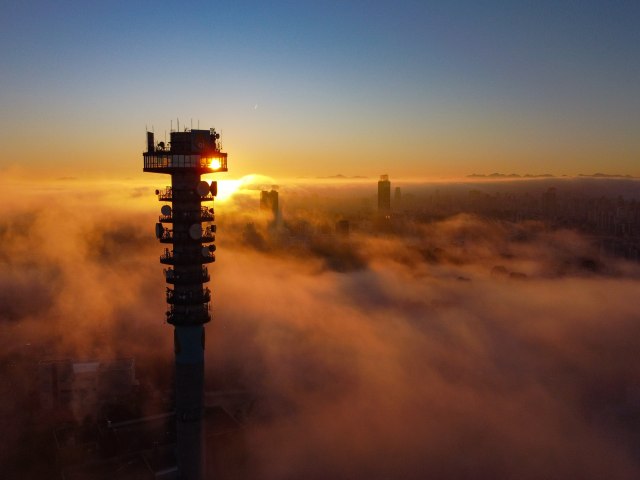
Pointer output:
x,y
187,227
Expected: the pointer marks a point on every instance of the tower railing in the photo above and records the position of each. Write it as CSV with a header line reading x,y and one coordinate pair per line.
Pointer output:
x,y
168,195
187,278
168,258
168,236
158,160
204,215
188,298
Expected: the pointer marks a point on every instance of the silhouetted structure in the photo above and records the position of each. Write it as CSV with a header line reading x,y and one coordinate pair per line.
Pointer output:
x,y
397,198
190,154
269,201
82,386
384,194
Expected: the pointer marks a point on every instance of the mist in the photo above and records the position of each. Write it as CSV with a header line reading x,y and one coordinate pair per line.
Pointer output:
x,y
465,348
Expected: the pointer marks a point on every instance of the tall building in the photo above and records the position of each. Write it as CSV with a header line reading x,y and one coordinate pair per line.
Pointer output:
x,y
269,201
190,154
384,193
397,197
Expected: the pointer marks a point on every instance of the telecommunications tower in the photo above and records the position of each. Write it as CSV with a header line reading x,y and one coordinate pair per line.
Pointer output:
x,y
187,226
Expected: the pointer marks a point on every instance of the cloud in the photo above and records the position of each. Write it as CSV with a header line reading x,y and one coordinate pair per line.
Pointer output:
x,y
397,369
396,356
387,377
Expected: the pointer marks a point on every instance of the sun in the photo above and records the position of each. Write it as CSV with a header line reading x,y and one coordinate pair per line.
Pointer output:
x,y
246,185
215,164
226,189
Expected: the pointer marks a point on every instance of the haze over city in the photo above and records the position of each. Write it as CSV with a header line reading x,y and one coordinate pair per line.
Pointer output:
x,y
428,239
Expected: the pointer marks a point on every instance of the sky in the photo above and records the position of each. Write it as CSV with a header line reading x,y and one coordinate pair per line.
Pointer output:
x,y
416,89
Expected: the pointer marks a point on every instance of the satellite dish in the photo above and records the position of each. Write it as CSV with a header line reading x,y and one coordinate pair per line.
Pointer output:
x,y
166,210
212,228
202,188
159,230
157,192
195,231
212,247
214,188
205,251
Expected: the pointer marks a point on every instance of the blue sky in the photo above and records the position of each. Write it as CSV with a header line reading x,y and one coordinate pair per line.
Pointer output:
x,y
315,88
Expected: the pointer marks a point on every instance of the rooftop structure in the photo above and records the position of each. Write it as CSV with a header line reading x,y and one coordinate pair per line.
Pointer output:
x,y
195,150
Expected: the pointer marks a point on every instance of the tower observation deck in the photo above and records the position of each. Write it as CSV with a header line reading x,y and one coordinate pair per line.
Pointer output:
x,y
186,226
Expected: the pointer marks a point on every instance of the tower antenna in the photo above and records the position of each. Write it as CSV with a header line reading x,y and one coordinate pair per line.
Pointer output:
x,y
190,235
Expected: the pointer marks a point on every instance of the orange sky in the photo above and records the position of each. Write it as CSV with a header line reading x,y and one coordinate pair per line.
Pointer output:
x,y
411,89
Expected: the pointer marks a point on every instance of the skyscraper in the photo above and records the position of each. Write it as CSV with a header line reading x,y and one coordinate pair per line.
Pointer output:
x,y
269,201
384,194
397,198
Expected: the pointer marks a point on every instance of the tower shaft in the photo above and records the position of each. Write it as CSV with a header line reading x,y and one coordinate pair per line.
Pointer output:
x,y
189,339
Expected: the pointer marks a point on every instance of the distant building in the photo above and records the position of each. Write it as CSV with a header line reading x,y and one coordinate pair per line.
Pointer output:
x,y
82,385
253,237
269,201
397,198
384,193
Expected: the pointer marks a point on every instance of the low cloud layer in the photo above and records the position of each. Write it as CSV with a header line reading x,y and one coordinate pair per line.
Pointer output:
x,y
414,370
468,349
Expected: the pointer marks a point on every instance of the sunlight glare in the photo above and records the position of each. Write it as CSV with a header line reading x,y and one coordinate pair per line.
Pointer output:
x,y
241,186
226,188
